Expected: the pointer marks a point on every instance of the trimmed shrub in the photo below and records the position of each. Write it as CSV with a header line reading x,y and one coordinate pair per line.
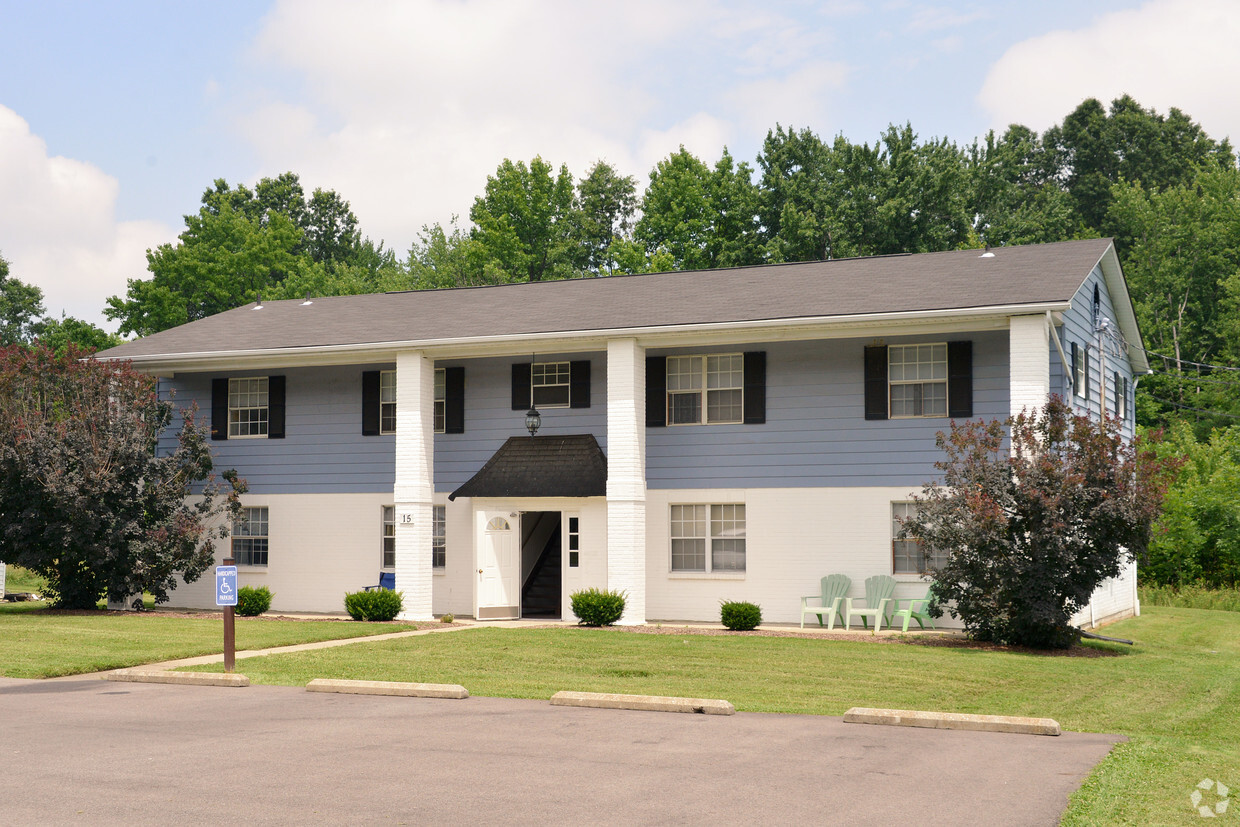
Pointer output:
x,y
252,602
740,617
381,604
448,618
597,608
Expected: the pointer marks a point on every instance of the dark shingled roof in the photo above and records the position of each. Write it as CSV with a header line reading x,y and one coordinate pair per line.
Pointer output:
x,y
1014,276
541,466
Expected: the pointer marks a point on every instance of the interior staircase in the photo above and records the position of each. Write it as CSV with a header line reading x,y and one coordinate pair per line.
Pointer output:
x,y
540,596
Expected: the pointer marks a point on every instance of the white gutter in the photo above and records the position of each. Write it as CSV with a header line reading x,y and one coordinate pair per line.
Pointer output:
x,y
566,341
1063,358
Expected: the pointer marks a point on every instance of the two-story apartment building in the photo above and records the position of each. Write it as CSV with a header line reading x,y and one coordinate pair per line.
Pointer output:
x,y
710,435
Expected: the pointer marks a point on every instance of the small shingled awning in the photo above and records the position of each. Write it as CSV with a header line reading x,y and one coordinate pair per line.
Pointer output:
x,y
541,466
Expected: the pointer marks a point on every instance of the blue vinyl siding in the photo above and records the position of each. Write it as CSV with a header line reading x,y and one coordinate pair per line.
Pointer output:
x,y
816,433
324,450
1078,327
490,419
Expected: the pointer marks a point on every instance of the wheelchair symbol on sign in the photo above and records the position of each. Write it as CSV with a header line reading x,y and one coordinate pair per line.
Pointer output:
x,y
225,587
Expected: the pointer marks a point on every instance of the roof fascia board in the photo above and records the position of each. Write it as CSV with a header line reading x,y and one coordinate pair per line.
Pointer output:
x,y
1117,286
714,333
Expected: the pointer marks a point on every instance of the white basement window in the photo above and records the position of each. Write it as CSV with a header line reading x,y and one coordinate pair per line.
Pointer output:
x,y
721,526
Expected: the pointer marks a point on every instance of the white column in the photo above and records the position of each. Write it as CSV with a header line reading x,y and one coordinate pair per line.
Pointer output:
x,y
1030,355
415,467
626,476
1,580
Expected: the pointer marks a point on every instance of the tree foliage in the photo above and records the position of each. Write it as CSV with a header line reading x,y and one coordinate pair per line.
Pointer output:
x,y
240,244
59,334
607,202
20,307
86,499
1197,538
1182,265
524,222
1095,148
1031,532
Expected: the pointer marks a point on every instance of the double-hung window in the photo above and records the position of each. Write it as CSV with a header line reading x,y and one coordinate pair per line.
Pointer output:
x,y
918,378
248,414
379,401
551,383
1080,371
249,537
719,529
706,389
908,555
387,401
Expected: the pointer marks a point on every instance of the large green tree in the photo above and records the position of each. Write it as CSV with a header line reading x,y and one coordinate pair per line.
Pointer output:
x,y
1095,148
86,499
241,244
524,223
900,195
1182,265
21,305
696,217
607,202
1015,193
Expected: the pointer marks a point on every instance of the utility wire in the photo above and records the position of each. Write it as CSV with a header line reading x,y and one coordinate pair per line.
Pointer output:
x,y
1190,408
1197,380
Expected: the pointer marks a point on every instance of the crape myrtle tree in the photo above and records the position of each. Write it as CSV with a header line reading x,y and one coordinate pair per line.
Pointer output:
x,y
1031,530
86,500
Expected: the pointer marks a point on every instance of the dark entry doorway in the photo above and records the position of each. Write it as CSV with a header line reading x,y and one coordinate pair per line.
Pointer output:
x,y
540,564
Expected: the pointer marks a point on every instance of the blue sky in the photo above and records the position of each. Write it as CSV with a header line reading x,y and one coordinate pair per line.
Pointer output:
x,y
114,117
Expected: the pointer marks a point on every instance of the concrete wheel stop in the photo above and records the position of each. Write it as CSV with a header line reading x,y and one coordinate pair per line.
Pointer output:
x,y
179,678
398,688
651,703
953,720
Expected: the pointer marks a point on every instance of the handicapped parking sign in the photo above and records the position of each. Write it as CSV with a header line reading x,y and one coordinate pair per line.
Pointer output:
x,y
226,585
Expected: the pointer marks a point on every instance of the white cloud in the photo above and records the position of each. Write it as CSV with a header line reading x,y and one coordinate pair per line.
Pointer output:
x,y
1167,53
404,108
58,228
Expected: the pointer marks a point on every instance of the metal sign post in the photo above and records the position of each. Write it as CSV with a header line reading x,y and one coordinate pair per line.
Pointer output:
x,y
226,596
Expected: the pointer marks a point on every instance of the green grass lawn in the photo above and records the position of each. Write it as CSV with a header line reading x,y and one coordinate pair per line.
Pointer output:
x,y
19,580
35,643
1176,694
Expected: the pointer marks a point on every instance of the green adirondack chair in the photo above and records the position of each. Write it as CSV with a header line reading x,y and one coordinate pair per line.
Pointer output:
x,y
878,591
917,609
834,588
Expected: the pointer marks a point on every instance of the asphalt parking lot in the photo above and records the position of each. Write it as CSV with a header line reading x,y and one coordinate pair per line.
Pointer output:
x,y
90,751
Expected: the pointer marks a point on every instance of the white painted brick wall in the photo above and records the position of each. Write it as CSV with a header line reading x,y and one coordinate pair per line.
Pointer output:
x,y
626,475
1114,599
320,546
1030,349
795,537
414,491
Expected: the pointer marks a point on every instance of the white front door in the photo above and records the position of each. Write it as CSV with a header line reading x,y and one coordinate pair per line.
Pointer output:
x,y
499,567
